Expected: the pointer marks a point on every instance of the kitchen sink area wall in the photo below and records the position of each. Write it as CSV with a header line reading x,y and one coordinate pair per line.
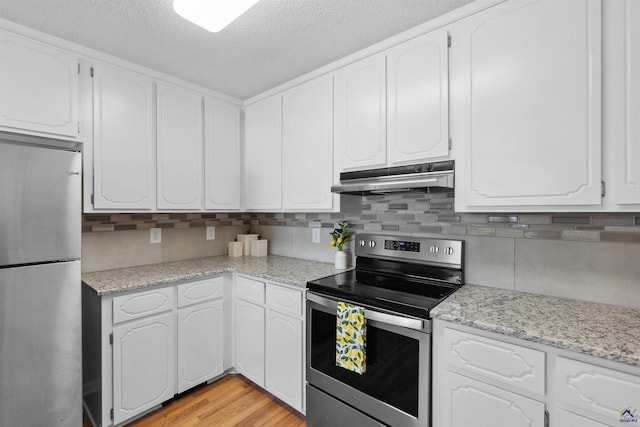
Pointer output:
x,y
587,256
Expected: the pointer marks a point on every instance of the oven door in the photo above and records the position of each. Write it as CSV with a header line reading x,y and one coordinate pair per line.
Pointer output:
x,y
395,389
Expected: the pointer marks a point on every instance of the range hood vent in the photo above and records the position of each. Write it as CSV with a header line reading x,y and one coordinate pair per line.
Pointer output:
x,y
424,177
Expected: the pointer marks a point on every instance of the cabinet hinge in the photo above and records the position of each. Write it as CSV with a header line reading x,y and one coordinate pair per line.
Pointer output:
x,y
450,144
111,413
110,335
78,68
448,40
78,127
91,71
546,418
92,202
603,189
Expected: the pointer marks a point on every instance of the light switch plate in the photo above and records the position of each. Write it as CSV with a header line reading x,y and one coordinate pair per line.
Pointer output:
x,y
315,235
211,232
155,235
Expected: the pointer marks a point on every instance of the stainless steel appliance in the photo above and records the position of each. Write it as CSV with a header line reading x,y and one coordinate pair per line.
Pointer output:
x,y
397,280
423,177
40,285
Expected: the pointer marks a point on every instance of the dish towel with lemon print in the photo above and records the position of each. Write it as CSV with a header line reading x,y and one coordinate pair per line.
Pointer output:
x,y
351,331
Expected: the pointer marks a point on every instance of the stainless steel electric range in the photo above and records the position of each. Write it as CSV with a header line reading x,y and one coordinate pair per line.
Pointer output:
x,y
397,281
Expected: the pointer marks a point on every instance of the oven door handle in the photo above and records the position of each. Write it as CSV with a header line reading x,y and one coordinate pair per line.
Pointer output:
x,y
390,319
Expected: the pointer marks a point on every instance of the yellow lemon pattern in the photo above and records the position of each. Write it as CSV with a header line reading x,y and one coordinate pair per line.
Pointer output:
x,y
351,332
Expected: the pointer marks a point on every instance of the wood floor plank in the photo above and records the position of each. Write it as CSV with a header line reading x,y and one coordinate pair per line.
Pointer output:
x,y
230,401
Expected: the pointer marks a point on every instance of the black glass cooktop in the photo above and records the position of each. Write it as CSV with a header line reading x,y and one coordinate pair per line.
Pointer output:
x,y
409,295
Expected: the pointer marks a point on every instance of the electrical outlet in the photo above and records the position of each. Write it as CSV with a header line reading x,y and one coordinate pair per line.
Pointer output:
x,y
315,235
155,235
211,232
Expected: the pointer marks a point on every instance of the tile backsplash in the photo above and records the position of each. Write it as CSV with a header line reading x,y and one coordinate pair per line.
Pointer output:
x,y
584,256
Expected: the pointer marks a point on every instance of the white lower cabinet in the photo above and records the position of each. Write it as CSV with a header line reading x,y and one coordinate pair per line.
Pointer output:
x,y
250,341
152,345
143,365
283,358
270,338
474,403
487,379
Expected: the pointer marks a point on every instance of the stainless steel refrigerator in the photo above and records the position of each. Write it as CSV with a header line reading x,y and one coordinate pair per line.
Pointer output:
x,y
40,284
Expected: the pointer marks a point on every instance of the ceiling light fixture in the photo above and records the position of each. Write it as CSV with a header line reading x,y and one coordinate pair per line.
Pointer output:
x,y
212,15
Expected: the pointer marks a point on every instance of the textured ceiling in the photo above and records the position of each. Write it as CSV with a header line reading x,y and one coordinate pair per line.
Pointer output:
x,y
275,41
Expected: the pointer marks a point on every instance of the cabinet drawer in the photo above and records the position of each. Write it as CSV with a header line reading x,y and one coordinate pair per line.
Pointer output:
x,y
250,290
140,304
600,391
508,363
284,300
204,290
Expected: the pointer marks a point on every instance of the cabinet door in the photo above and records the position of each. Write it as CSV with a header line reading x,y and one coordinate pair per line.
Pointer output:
x,y
143,365
307,139
627,152
123,162
222,155
418,91
262,154
38,87
531,82
562,418
283,356
250,341
179,142
200,341
472,403
360,114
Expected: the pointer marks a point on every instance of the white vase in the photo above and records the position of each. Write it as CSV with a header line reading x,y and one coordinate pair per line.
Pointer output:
x,y
340,261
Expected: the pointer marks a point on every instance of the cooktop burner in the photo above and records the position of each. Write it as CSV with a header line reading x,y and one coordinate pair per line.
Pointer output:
x,y
402,276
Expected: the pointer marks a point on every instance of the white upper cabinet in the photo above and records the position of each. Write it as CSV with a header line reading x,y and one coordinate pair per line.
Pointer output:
x,y
307,139
626,144
360,114
529,76
222,155
123,140
38,87
418,99
179,145
263,154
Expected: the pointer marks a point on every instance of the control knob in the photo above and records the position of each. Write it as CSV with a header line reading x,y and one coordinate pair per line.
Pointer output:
x,y
363,243
434,249
372,243
448,250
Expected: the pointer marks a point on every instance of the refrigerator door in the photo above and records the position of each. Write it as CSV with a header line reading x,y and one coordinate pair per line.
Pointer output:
x,y
40,345
40,208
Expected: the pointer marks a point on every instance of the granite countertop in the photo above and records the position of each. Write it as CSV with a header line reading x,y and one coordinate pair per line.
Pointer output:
x,y
289,271
605,331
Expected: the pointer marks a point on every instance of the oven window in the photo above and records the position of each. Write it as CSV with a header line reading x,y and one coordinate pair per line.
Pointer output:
x,y
392,363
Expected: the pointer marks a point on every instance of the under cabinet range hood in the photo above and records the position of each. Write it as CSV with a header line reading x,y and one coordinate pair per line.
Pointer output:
x,y
423,177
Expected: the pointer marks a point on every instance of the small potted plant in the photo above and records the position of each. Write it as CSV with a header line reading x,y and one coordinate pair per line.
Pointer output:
x,y
340,236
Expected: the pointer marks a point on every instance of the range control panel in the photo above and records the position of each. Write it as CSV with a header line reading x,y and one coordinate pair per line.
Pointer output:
x,y
441,252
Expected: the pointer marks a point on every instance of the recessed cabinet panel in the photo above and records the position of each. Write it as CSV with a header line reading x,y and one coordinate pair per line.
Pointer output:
x,y
124,173
284,358
200,338
222,155
38,87
179,140
593,389
195,292
307,139
532,92
360,114
143,365
285,300
418,91
250,338
627,152
508,363
139,304
567,419
263,154
250,290
472,403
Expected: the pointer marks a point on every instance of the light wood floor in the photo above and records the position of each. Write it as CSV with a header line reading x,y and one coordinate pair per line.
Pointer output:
x,y
230,401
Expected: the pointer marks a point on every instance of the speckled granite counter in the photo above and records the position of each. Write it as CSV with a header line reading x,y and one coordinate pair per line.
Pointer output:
x,y
290,271
600,330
